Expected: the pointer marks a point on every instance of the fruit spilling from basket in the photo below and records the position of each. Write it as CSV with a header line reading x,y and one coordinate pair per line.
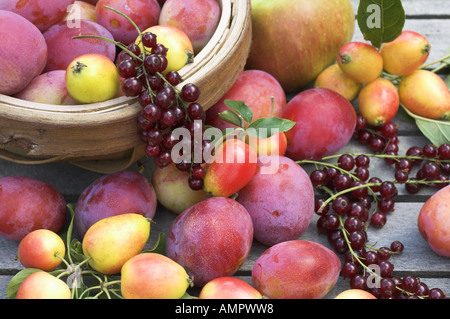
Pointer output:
x,y
244,182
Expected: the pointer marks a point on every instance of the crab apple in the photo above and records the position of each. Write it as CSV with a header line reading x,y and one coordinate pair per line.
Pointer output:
x,y
197,18
144,13
229,288
280,200
355,294
294,40
27,204
42,13
42,285
48,88
179,47
334,79
114,194
232,167
378,101
276,144
415,90
153,276
172,189
92,78
259,90
211,239
296,269
63,49
406,53
23,54
112,241
325,122
41,249
360,61
434,222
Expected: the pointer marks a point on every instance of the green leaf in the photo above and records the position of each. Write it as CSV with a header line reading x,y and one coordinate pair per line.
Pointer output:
x,y
230,117
240,108
380,21
266,126
16,281
438,132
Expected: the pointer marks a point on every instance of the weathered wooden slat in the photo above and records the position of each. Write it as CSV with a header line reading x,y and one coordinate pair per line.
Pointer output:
x,y
420,9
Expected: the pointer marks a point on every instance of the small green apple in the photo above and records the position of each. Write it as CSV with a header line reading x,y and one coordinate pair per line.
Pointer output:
x,y
92,78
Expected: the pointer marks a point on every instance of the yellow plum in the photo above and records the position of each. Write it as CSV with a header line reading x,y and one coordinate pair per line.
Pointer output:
x,y
406,53
179,47
153,276
425,94
360,61
378,101
112,241
333,78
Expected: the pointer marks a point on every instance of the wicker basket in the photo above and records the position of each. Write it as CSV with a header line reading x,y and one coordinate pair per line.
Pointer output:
x,y
104,137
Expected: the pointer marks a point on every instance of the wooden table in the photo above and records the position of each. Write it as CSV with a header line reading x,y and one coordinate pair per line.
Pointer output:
x,y
432,19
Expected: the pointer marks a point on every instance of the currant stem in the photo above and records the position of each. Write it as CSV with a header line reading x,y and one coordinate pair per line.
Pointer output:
x,y
344,232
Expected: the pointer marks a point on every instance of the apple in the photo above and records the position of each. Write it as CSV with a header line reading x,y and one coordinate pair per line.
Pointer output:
x,y
23,55
334,79
197,18
360,61
232,167
325,122
259,90
415,90
179,47
48,88
42,285
41,249
273,145
296,269
378,101
228,288
27,204
434,222
406,53
294,40
112,241
92,78
172,189
355,294
153,276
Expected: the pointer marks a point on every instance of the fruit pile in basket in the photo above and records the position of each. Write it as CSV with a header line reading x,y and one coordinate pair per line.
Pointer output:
x,y
218,169
41,47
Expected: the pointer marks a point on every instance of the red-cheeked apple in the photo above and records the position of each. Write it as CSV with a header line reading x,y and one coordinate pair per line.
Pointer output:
x,y
229,288
42,249
42,285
